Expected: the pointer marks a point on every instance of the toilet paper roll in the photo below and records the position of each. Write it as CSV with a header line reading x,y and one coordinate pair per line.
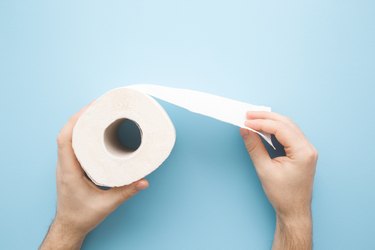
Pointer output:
x,y
96,145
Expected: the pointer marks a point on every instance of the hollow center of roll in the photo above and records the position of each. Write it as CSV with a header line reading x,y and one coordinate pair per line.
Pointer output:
x,y
122,137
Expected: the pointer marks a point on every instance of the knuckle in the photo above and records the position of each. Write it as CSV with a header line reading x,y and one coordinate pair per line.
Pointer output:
x,y
283,127
64,135
287,118
312,154
60,139
133,191
63,138
128,193
316,154
73,118
250,147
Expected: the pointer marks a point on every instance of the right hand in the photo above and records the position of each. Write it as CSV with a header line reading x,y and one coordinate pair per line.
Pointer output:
x,y
287,180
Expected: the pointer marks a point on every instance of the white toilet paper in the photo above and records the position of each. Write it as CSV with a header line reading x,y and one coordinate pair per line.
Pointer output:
x,y
108,164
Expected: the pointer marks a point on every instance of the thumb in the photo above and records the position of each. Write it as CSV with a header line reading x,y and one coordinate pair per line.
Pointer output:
x,y
256,149
124,193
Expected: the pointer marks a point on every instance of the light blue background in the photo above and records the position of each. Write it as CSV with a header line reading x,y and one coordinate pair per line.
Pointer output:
x,y
310,60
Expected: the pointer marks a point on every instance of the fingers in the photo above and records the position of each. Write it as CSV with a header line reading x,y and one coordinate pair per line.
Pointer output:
x,y
286,135
67,159
256,150
267,115
272,116
65,136
121,194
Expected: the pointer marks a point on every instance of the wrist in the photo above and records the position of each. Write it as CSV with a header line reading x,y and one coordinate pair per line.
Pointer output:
x,y
67,230
62,235
297,222
295,215
293,232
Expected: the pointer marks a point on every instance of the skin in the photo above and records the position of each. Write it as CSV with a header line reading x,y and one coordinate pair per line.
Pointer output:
x,y
287,182
81,205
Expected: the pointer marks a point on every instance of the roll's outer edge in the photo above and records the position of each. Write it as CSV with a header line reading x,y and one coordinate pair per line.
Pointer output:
x,y
161,142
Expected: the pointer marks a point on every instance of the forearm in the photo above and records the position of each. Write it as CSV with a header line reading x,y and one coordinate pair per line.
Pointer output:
x,y
294,233
62,236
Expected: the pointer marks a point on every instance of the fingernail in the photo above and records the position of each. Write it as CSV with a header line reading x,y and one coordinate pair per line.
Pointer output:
x,y
249,114
141,185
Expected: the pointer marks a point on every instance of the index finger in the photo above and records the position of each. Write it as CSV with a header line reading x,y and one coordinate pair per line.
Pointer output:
x,y
67,158
272,116
286,135
65,136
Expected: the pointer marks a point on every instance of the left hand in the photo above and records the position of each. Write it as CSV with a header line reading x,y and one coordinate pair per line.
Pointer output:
x,y
81,205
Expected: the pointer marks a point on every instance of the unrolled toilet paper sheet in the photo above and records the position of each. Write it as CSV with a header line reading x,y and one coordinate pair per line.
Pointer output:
x,y
96,146
220,108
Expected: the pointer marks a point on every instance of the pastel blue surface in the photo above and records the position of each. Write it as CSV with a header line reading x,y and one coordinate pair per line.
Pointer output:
x,y
310,60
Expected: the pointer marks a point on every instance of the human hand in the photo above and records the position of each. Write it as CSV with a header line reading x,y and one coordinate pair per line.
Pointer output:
x,y
287,180
81,205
